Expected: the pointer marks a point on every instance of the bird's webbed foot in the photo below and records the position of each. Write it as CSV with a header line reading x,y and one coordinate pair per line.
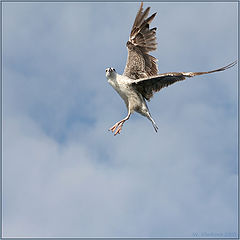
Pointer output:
x,y
117,127
113,128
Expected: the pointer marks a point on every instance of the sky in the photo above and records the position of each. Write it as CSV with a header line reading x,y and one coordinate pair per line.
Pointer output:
x,y
66,175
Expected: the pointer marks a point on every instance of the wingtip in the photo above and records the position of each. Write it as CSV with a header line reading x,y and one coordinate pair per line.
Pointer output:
x,y
235,62
230,65
149,20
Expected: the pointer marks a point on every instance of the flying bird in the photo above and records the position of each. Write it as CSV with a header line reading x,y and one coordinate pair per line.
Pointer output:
x,y
140,79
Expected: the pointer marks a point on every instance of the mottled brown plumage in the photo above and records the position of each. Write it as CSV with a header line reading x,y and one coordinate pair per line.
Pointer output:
x,y
140,79
148,86
142,40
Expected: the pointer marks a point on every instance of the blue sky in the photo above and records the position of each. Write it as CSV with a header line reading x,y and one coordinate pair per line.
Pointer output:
x,y
65,175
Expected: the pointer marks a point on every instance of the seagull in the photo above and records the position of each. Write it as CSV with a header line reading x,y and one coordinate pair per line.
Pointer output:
x,y
140,79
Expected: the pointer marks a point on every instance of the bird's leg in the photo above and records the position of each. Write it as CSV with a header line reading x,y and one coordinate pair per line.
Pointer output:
x,y
153,122
118,125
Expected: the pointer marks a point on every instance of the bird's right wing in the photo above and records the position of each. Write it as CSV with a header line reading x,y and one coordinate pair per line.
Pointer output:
x,y
148,86
142,40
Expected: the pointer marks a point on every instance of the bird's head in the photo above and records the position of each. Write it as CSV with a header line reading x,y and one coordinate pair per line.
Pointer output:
x,y
110,72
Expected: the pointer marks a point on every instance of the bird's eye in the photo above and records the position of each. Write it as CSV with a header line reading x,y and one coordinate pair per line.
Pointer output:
x,y
114,70
106,70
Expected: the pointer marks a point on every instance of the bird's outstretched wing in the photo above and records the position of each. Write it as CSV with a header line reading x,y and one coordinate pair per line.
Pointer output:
x,y
148,86
142,40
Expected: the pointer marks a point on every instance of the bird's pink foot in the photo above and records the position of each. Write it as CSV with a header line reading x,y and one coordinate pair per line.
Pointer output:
x,y
118,129
113,128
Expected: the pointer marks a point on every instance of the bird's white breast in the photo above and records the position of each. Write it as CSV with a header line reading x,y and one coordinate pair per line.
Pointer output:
x,y
122,85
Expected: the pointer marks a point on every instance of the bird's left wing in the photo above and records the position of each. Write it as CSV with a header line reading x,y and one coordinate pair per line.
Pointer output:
x,y
142,40
148,86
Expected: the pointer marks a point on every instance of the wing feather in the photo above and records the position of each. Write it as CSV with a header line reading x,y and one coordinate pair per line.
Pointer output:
x,y
142,40
148,86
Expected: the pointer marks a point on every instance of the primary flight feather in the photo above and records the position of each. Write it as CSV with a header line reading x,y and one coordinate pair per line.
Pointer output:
x,y
140,79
